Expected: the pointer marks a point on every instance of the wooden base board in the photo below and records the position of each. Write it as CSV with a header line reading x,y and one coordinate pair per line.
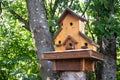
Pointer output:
x,y
73,65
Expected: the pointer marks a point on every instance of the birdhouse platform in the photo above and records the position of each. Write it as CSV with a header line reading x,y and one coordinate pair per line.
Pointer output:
x,y
73,60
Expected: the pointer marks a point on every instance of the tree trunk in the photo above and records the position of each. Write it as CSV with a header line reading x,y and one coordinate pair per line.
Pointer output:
x,y
40,34
107,70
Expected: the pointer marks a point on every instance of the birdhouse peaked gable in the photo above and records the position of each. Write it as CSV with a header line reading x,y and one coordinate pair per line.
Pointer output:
x,y
64,15
68,11
70,34
71,39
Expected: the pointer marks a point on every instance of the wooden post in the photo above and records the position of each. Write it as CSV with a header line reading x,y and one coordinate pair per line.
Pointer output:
x,y
73,76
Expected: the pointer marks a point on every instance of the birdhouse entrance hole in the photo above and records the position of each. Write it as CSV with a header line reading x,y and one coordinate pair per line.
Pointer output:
x,y
59,42
70,46
71,24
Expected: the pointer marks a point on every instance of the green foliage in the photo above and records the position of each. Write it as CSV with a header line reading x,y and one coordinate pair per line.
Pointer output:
x,y
17,56
104,19
19,6
118,58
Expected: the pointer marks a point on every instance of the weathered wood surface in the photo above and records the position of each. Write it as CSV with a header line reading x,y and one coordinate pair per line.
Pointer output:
x,y
73,65
67,65
72,54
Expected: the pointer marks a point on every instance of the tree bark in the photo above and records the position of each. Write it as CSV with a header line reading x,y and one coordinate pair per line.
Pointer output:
x,y
41,35
107,69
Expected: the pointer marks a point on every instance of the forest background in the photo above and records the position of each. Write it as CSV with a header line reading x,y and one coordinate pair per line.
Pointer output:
x,y
18,59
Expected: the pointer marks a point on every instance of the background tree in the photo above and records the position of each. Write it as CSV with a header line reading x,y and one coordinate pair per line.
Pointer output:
x,y
41,35
16,47
106,26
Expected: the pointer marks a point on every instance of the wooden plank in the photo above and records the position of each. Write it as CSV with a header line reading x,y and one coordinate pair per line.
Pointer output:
x,y
68,65
89,65
73,65
54,65
97,55
82,64
72,54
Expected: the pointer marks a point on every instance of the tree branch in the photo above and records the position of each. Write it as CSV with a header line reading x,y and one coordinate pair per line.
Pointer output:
x,y
51,6
71,3
0,7
86,8
90,30
18,17
54,8
21,19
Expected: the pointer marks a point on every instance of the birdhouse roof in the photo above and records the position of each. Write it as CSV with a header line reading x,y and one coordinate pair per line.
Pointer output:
x,y
72,39
68,11
88,39
59,30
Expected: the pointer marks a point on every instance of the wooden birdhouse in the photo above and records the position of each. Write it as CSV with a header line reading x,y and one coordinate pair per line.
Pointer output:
x,y
71,33
74,51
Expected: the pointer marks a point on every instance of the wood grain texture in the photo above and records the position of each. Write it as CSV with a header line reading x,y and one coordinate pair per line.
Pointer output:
x,y
73,65
73,54
73,60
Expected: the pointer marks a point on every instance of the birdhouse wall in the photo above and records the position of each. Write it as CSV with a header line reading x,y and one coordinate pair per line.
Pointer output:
x,y
59,40
83,41
71,26
82,27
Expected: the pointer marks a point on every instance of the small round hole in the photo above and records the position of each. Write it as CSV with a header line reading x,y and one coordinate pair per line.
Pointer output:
x,y
71,24
62,24
70,44
59,42
86,44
